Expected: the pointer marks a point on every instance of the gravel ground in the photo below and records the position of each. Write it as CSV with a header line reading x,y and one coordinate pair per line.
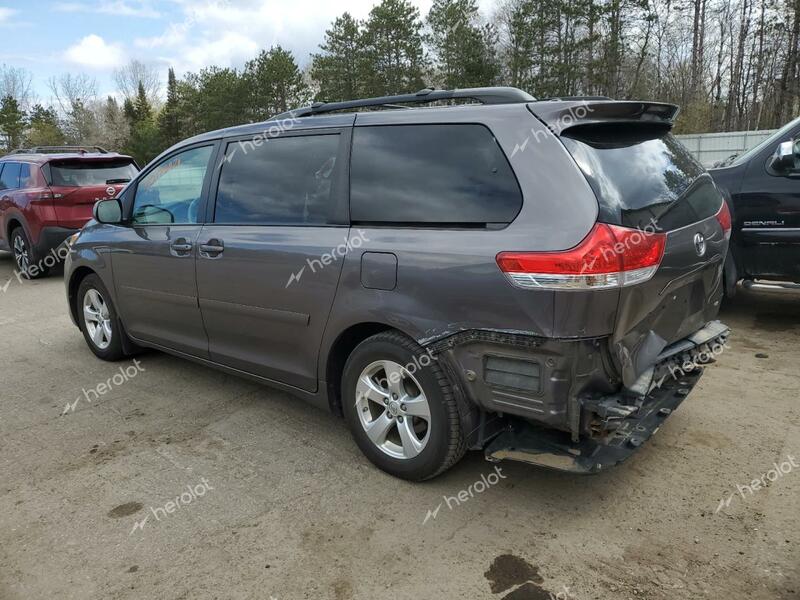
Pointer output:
x,y
182,482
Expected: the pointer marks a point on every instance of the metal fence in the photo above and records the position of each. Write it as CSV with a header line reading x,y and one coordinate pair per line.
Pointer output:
x,y
708,148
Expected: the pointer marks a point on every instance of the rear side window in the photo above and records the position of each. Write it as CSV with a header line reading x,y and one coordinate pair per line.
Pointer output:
x,y
434,175
94,173
26,179
9,179
642,176
282,181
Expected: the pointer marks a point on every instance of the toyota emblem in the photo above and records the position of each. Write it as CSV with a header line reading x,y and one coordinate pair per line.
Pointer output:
x,y
110,191
700,244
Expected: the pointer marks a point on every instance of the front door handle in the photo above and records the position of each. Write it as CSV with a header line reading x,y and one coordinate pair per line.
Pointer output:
x,y
212,248
180,247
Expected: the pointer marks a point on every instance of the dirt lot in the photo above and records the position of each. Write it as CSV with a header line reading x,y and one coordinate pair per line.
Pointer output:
x,y
281,505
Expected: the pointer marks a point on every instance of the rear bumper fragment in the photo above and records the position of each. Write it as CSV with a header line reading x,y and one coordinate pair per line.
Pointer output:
x,y
528,443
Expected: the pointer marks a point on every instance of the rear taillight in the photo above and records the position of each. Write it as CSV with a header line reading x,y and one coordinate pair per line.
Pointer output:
x,y
724,218
609,257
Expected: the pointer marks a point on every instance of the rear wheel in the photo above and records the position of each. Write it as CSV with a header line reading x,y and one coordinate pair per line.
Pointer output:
x,y
98,319
400,408
24,256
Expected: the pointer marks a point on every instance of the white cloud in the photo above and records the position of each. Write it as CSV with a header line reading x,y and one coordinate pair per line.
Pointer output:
x,y
119,8
6,14
231,48
93,52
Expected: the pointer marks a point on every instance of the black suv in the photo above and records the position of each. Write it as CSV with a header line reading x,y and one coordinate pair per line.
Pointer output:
x,y
763,188
535,279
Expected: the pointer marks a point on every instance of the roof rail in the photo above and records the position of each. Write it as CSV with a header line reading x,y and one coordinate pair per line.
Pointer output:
x,y
60,150
569,98
484,95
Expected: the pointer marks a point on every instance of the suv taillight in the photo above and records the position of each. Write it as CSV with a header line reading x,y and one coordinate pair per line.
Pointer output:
x,y
724,218
610,256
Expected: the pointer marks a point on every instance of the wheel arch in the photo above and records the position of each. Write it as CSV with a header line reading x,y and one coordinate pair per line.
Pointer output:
x,y
340,350
12,223
75,279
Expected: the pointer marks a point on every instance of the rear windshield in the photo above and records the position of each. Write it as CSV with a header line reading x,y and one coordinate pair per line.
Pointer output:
x,y
642,176
82,174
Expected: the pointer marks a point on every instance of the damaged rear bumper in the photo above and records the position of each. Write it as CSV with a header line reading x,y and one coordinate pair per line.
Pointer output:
x,y
526,442
558,404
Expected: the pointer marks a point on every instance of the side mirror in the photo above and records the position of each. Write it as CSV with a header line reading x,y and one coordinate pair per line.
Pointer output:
x,y
784,158
108,212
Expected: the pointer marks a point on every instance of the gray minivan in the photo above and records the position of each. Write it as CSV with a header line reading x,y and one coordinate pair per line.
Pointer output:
x,y
474,270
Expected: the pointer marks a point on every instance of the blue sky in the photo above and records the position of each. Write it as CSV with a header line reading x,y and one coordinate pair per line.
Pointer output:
x,y
52,37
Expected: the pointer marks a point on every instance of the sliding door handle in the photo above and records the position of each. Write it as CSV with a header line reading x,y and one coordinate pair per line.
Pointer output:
x,y
212,248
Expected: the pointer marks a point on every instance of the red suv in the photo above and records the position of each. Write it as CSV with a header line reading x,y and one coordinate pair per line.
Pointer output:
x,y
47,194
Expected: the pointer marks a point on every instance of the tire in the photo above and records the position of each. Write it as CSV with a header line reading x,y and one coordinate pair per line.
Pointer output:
x,y
429,445
24,256
729,279
103,336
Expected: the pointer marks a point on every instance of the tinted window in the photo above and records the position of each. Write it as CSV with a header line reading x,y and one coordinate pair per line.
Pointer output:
x,y
9,180
172,192
26,179
284,181
431,174
642,173
81,174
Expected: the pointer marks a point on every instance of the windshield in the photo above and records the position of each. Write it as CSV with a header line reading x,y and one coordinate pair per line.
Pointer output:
x,y
83,174
773,139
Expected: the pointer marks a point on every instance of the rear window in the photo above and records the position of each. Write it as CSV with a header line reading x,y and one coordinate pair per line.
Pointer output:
x,y
82,174
642,176
9,179
434,175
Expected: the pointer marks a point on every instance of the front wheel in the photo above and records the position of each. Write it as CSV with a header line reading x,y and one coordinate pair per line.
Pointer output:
x,y
98,319
400,408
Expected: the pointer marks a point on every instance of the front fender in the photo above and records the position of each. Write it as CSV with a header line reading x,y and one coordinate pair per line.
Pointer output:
x,y
87,257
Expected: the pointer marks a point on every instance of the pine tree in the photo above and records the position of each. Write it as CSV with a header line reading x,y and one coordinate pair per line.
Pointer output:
x,y
463,50
274,83
44,128
169,117
12,122
336,68
393,60
144,142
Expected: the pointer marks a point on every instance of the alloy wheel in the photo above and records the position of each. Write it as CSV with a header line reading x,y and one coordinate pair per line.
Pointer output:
x,y
97,319
21,254
393,409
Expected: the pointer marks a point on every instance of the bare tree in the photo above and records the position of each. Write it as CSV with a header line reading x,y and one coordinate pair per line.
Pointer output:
x,y
17,83
131,75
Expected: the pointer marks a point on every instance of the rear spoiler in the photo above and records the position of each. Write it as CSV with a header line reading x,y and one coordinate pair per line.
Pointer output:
x,y
560,116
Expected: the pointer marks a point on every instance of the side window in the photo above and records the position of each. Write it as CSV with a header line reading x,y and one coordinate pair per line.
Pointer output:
x,y
283,181
172,192
26,179
431,175
9,179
